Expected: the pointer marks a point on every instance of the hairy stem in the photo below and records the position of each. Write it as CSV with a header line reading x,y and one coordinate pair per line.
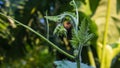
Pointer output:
x,y
78,62
105,35
41,36
78,57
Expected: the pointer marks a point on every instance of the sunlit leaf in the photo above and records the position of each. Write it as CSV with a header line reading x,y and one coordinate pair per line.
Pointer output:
x,y
85,7
114,22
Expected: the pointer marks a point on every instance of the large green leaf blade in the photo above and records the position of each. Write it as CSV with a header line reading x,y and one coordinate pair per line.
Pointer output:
x,y
100,17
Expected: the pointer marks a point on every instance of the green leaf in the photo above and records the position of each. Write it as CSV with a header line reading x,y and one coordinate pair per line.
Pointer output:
x,y
85,7
82,36
83,32
69,64
60,30
53,18
75,40
93,5
89,37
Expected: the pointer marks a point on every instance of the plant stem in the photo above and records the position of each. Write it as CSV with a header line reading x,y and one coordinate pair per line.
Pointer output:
x,y
77,15
78,57
76,8
78,62
91,58
41,36
105,35
47,26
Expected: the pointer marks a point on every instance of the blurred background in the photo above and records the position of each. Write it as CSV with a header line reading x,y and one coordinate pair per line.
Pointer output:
x,y
20,48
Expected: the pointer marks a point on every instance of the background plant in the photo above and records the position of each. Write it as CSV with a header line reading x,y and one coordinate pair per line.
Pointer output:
x,y
11,36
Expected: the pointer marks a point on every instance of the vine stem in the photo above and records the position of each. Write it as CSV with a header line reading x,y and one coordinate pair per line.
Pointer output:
x,y
47,25
41,36
78,57
77,14
105,34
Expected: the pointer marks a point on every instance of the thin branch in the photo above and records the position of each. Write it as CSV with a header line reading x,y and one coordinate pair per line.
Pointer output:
x,y
77,15
47,25
41,36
